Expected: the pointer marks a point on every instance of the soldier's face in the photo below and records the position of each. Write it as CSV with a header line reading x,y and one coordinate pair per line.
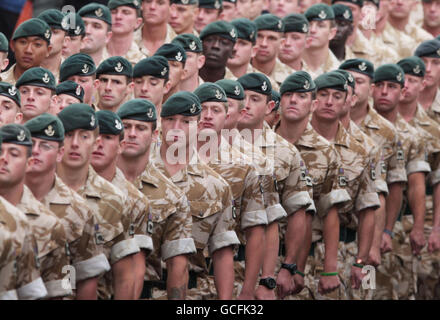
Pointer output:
x,y
45,155
267,46
293,46
242,53
400,9
349,102
57,41
413,86
194,62
71,46
155,11
362,88
8,111
320,34
87,83
432,75
256,108
177,130
244,8
34,101
204,17
78,148
235,112
217,50
256,8
295,106
282,8
343,31
61,101
182,17
150,88
329,104
386,95
431,13
138,136
229,12
272,118
30,51
97,35
13,164
106,149
124,20
213,117
112,90
177,73
305,4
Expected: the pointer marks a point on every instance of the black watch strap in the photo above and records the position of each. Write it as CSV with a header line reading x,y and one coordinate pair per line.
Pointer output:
x,y
268,282
290,266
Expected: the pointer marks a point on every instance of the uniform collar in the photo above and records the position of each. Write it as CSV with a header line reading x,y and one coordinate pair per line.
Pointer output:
x,y
55,194
27,201
342,137
308,137
89,189
369,120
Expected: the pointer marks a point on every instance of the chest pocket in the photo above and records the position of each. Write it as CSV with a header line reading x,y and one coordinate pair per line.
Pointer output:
x,y
161,212
204,209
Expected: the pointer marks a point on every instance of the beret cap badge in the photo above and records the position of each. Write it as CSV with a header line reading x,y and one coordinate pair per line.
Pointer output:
x,y
307,85
417,69
92,121
78,30
305,28
12,91
118,124
49,131
232,33
99,12
78,90
179,56
322,14
150,113
264,86
47,34
399,77
218,94
362,66
21,136
346,14
45,78
193,108
85,69
192,45
237,91
119,67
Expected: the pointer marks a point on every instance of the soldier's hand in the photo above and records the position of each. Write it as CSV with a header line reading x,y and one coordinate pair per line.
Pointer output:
x,y
356,277
298,284
417,239
374,257
263,293
284,283
386,243
434,241
328,284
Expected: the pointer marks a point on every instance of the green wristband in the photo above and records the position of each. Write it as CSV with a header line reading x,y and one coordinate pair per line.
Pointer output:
x,y
329,274
300,273
358,265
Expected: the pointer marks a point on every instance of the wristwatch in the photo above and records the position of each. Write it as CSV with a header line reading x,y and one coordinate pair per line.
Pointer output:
x,y
269,283
290,266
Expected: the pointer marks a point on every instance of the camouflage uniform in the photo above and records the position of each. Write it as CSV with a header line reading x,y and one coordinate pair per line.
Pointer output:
x,y
403,44
51,241
417,33
228,75
133,55
361,48
79,224
279,73
19,273
434,110
210,199
8,76
331,63
137,38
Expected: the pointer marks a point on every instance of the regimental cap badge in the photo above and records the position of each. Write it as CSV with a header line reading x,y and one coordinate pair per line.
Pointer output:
x,y
218,94
322,14
438,52
85,69
305,28
362,66
193,108
184,1
49,131
119,67
136,3
264,86
306,85
280,24
12,91
179,56
164,71
417,70
237,91
64,23
77,30
345,85
45,78
232,33
192,45
99,12
346,15
150,113
47,34
350,78
21,136
92,121
399,77
252,35
217,4
78,90
118,124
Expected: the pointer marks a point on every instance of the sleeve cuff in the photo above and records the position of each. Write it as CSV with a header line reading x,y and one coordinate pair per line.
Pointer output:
x,y
434,177
123,249
221,240
398,175
381,186
177,247
297,201
275,212
92,267
253,218
311,209
144,242
55,289
368,200
339,196
33,290
417,166
9,295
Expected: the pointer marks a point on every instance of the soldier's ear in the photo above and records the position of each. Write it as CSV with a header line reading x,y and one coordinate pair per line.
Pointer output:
x,y
314,105
60,154
201,61
332,33
49,50
96,84
354,100
108,36
423,85
139,21
4,64
270,106
167,87
254,51
18,117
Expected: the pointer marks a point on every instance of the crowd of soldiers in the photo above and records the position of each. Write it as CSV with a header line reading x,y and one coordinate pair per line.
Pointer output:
x,y
235,149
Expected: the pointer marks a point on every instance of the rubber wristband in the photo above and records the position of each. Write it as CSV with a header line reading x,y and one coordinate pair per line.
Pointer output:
x,y
329,274
358,265
389,232
300,273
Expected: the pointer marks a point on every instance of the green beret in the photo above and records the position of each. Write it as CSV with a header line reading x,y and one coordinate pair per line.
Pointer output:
x,y
276,98
0,142
360,3
342,12
156,66
296,22
246,29
46,126
231,1
172,52
37,76
221,28
299,81
97,11
33,27
269,22
413,66
185,2
80,64
54,18
375,2
211,4
429,49
78,116
138,109
331,80
320,12
358,65
389,72
232,88
70,88
348,77
257,82
116,65
113,4
4,45
10,91
184,103
189,42
16,134
109,122
209,91
76,26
